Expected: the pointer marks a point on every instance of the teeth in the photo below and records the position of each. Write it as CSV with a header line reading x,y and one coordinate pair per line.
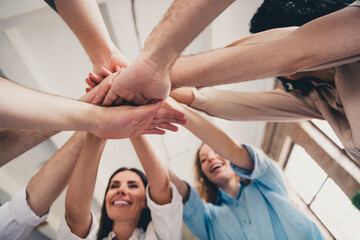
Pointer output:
x,y
121,202
216,166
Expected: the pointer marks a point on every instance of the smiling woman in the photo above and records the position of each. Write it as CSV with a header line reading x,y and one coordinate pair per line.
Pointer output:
x,y
134,207
244,190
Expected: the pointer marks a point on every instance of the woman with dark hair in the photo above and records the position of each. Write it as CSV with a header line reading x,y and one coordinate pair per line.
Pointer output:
x,y
134,206
244,191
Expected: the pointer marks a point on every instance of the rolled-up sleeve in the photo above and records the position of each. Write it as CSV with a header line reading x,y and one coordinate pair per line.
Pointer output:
x,y
195,214
167,218
265,172
17,219
276,105
64,231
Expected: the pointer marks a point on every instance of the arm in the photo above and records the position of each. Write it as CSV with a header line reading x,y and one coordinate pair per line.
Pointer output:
x,y
275,105
81,186
14,142
52,178
85,20
158,177
215,137
36,110
148,77
320,41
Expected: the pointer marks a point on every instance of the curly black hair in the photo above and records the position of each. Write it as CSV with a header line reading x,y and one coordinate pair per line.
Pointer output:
x,y
285,13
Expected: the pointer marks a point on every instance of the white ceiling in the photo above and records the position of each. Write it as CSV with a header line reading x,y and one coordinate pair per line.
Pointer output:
x,y
40,52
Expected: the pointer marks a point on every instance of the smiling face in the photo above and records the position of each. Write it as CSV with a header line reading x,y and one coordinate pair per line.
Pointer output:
x,y
125,198
215,168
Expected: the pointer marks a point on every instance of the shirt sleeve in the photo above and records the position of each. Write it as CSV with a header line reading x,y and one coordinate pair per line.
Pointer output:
x,y
265,172
64,231
167,218
17,219
195,214
276,105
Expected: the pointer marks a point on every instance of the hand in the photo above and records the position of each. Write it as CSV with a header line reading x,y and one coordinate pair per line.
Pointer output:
x,y
140,83
112,64
183,95
99,90
129,121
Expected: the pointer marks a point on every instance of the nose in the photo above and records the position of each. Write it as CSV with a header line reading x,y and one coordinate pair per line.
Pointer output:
x,y
121,191
211,156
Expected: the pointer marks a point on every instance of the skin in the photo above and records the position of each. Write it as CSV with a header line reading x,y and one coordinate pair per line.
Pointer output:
x,y
219,148
125,186
223,176
36,110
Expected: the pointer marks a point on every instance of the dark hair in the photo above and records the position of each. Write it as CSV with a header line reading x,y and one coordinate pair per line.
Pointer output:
x,y
106,224
207,190
284,13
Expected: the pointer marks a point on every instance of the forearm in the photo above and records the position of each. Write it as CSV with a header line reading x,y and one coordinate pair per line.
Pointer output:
x,y
320,41
85,20
158,177
14,142
81,186
31,109
184,20
216,138
180,185
52,178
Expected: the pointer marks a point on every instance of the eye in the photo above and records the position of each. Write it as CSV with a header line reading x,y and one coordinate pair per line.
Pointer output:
x,y
114,186
202,160
133,186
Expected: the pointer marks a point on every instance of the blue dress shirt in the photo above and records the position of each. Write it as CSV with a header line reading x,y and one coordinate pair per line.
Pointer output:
x,y
262,210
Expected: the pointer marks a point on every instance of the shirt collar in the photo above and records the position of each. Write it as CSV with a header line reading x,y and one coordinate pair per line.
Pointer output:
x,y
223,197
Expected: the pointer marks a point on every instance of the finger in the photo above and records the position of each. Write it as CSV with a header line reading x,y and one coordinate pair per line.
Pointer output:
x,y
87,90
154,131
105,72
94,77
169,113
150,108
90,83
101,93
170,120
110,98
165,125
118,101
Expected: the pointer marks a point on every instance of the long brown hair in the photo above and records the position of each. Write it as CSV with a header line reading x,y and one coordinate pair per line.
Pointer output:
x,y
106,224
207,190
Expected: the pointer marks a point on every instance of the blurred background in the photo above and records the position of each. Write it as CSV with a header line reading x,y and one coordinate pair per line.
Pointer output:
x,y
39,51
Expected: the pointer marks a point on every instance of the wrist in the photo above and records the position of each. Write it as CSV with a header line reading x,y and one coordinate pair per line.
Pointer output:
x,y
160,58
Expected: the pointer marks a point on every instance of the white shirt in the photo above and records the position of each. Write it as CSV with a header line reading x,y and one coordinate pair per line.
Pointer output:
x,y
17,220
166,222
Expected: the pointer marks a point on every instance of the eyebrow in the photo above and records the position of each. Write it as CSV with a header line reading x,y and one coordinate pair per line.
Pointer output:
x,y
129,182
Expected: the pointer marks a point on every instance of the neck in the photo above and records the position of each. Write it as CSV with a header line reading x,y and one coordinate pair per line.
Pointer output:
x,y
124,229
231,187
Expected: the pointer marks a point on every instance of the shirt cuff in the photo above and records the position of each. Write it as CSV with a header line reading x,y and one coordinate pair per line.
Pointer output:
x,y
21,211
260,164
192,203
203,99
168,208
64,231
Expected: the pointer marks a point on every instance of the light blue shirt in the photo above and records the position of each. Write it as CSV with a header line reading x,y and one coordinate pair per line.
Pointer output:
x,y
262,210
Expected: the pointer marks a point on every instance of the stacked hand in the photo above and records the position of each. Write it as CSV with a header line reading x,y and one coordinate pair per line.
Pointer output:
x,y
129,121
138,84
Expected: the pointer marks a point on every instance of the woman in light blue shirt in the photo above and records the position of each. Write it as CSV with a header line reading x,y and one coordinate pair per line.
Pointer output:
x,y
245,192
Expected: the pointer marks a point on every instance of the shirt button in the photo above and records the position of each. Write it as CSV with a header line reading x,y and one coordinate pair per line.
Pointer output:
x,y
237,204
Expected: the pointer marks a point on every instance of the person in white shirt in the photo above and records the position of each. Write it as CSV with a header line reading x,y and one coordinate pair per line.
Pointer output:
x,y
30,206
132,209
